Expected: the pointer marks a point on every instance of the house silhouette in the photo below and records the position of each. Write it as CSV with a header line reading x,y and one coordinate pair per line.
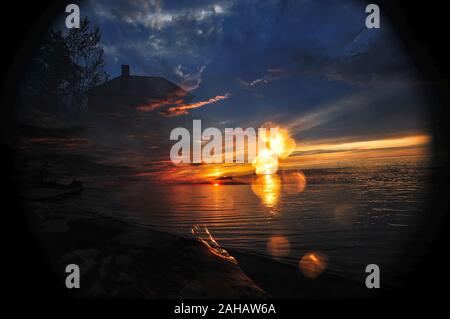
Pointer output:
x,y
133,91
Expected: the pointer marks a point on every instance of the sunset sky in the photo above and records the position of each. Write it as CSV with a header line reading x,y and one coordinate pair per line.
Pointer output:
x,y
312,67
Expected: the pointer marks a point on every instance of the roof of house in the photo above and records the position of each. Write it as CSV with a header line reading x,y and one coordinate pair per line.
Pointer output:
x,y
133,90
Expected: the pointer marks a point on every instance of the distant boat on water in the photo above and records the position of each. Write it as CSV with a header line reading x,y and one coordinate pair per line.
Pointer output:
x,y
224,178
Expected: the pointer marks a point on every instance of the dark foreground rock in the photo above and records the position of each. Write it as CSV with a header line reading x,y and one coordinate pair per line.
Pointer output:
x,y
121,260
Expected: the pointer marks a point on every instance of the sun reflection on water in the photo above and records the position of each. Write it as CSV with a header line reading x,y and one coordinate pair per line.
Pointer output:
x,y
267,188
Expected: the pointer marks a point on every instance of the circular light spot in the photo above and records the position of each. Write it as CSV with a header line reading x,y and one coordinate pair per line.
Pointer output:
x,y
279,246
313,264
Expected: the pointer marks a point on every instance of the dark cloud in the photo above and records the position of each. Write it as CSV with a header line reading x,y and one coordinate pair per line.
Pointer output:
x,y
272,74
364,60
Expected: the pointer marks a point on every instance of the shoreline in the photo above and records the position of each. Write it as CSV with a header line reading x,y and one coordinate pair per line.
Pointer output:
x,y
119,259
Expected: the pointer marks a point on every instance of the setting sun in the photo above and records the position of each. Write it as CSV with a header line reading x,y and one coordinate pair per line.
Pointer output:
x,y
278,145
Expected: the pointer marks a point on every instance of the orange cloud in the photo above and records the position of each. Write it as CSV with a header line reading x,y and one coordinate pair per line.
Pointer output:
x,y
175,105
176,98
182,109
404,141
325,154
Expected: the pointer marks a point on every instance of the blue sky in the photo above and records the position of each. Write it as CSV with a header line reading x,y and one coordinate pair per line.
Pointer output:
x,y
311,66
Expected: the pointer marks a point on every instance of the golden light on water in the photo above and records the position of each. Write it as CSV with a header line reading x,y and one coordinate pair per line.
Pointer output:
x,y
313,264
279,246
270,187
267,188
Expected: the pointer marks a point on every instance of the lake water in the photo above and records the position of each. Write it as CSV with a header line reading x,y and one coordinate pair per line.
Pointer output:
x,y
353,215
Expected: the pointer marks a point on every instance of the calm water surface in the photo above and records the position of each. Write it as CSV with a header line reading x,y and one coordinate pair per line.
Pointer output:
x,y
353,215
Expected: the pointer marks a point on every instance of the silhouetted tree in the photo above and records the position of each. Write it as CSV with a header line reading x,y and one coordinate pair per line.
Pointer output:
x,y
64,67
87,56
49,73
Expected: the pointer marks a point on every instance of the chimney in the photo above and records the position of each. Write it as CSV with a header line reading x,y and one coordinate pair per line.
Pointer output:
x,y
125,70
